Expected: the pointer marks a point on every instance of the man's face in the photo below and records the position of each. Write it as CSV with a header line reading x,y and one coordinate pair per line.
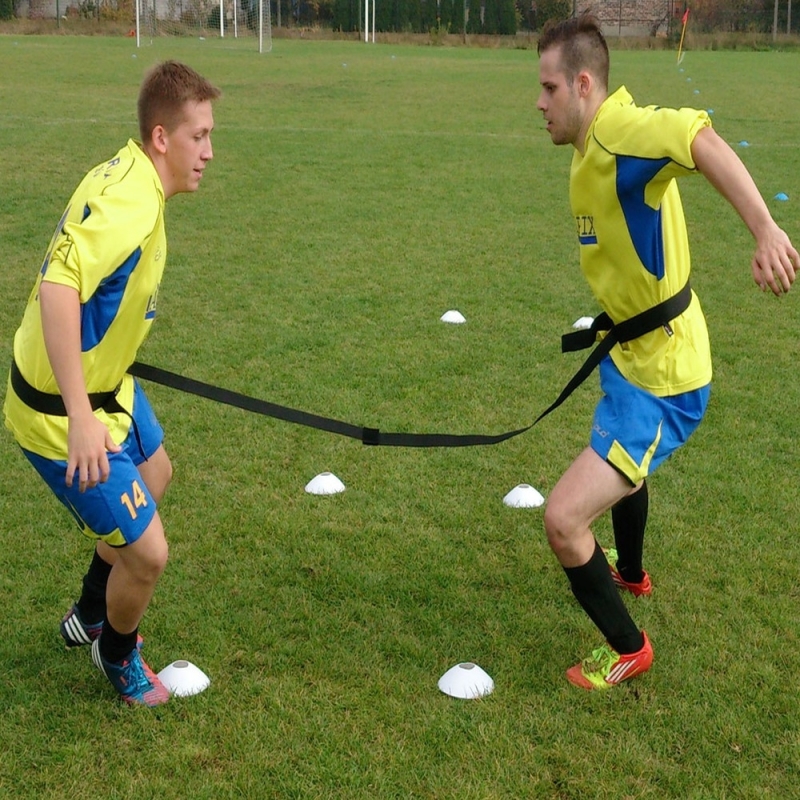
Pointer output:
x,y
188,149
558,100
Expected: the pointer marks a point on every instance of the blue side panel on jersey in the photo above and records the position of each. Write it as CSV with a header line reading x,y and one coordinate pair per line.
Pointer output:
x,y
644,222
99,312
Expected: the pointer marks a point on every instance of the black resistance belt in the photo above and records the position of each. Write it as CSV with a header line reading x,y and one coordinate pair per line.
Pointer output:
x,y
53,404
651,319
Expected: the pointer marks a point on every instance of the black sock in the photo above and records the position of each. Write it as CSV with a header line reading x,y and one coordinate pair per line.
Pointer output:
x,y
114,646
629,518
92,603
594,589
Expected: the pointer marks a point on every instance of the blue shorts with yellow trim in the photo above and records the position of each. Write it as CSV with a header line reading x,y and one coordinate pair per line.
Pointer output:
x,y
119,510
634,430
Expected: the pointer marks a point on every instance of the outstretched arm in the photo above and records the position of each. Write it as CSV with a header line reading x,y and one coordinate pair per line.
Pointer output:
x,y
776,262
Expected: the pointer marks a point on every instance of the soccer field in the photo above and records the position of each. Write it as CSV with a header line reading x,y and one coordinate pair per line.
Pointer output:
x,y
357,193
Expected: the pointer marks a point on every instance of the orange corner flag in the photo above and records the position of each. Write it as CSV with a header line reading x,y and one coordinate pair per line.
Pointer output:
x,y
684,20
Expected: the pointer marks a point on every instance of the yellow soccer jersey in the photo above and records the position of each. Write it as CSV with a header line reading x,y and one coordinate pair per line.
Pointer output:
x,y
634,250
110,246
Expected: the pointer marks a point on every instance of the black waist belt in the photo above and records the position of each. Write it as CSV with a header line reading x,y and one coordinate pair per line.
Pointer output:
x,y
655,317
46,403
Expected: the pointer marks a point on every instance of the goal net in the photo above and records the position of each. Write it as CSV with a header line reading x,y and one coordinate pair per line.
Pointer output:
x,y
234,19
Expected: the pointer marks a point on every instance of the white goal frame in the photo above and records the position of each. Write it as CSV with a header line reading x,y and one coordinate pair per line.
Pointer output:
x,y
204,19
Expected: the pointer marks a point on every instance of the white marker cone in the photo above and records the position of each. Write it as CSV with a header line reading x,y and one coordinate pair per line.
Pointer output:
x,y
466,681
182,678
325,483
582,323
523,496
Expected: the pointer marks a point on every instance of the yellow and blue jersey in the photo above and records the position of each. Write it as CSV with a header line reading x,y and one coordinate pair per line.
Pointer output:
x,y
110,246
634,249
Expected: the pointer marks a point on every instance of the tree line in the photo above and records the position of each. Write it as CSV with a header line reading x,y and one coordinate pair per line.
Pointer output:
x,y
507,17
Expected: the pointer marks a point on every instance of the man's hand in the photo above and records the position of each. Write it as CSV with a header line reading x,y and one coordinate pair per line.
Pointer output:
x,y
775,263
88,445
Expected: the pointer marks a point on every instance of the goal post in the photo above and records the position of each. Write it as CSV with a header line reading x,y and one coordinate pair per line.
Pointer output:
x,y
205,19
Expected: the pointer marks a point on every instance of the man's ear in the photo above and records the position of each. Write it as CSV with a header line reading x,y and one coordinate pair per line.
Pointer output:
x,y
158,139
585,82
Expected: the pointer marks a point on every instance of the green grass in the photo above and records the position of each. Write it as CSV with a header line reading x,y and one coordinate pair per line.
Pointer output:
x,y
347,208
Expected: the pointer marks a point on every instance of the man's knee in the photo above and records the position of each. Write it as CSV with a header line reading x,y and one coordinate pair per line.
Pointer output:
x,y
147,557
557,525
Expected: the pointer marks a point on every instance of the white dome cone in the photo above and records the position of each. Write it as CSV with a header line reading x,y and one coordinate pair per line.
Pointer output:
x,y
453,316
524,496
325,483
583,323
466,681
182,678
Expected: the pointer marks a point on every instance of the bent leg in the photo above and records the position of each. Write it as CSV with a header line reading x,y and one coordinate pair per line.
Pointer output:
x,y
130,587
134,576
589,488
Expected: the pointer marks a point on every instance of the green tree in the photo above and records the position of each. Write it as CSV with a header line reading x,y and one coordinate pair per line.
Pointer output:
x,y
428,15
734,15
454,15
552,9
6,9
474,23
506,17
413,20
445,14
346,15
489,17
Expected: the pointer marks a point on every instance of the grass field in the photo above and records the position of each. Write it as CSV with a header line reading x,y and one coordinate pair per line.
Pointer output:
x,y
357,193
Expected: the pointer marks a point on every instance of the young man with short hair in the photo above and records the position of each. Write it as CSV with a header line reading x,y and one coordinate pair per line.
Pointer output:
x,y
80,419
634,253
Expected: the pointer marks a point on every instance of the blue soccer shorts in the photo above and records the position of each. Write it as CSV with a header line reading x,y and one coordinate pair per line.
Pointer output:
x,y
119,510
634,430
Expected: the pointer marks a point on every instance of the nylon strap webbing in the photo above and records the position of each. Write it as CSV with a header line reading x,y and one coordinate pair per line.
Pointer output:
x,y
647,321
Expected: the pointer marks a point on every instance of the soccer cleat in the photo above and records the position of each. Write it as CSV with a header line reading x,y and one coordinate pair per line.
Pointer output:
x,y
606,667
75,631
135,682
644,588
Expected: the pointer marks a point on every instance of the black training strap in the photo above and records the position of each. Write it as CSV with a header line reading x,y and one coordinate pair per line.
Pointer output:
x,y
372,436
649,320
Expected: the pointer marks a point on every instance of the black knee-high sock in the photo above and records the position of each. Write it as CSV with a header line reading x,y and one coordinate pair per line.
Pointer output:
x,y
629,518
92,603
114,646
594,589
